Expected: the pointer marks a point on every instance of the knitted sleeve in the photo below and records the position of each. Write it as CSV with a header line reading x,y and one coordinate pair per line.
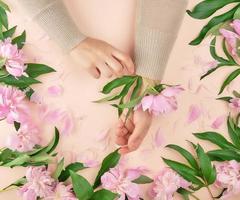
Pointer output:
x,y
53,17
158,23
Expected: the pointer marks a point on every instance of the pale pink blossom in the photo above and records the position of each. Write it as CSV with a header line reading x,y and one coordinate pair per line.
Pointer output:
x,y
218,122
26,138
62,192
13,106
119,181
194,113
14,61
60,118
164,102
166,184
235,104
228,176
236,26
39,184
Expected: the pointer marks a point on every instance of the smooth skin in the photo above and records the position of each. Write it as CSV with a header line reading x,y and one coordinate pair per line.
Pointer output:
x,y
131,132
101,59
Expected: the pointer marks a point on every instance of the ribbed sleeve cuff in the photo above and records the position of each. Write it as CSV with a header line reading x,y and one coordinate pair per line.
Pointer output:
x,y
56,21
152,50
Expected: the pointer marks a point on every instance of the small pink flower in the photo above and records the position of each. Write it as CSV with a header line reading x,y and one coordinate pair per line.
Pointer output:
x,y
39,184
165,102
166,184
236,26
119,181
62,192
235,104
25,139
228,176
14,58
231,39
13,107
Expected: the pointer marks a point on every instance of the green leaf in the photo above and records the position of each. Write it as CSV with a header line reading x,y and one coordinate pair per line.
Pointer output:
x,y
208,171
34,70
132,103
183,170
117,83
4,6
237,14
232,133
215,138
213,51
52,145
19,161
143,180
213,22
185,193
207,8
124,91
188,156
230,58
10,32
20,82
104,195
59,169
3,17
227,99
75,167
223,155
20,182
20,40
137,88
106,98
81,187
109,162
229,79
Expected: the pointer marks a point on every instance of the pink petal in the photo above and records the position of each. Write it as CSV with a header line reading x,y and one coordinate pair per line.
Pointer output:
x,y
194,113
217,123
55,90
159,138
231,39
147,102
236,26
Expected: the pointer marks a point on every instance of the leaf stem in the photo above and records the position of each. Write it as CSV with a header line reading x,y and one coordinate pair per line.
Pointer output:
x,y
192,195
209,191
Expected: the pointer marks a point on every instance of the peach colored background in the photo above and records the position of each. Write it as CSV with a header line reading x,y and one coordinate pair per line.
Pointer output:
x,y
113,21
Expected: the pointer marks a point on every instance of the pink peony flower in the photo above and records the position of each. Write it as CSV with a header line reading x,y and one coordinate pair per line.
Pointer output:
x,y
13,107
235,104
165,102
231,39
14,58
39,184
62,192
228,176
25,139
119,181
166,184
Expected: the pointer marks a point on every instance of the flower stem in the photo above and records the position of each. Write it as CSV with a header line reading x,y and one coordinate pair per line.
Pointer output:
x,y
192,195
209,191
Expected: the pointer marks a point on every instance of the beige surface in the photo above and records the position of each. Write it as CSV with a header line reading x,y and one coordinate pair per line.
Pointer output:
x,y
106,21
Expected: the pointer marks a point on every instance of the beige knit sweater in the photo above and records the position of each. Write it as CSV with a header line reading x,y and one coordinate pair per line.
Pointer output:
x,y
157,26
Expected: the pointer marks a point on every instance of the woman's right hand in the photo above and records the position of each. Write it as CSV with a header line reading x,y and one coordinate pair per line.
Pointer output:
x,y
101,59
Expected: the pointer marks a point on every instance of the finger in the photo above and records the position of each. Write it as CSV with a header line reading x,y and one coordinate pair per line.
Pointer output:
x,y
125,59
121,141
104,70
94,72
124,150
122,131
115,65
